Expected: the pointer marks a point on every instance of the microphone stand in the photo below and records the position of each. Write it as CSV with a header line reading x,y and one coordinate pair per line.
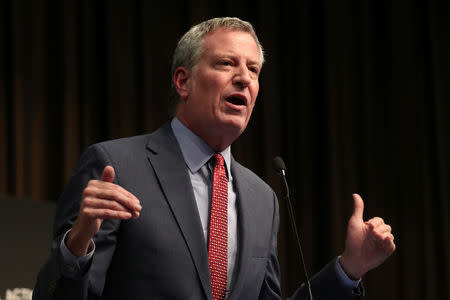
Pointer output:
x,y
280,168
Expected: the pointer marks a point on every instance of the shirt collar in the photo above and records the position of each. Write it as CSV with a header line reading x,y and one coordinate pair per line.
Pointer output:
x,y
196,152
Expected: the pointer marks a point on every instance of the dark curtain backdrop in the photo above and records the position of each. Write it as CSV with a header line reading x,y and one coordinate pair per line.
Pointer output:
x,y
355,96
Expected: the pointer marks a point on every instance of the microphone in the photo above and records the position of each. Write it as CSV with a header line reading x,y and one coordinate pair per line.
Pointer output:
x,y
279,167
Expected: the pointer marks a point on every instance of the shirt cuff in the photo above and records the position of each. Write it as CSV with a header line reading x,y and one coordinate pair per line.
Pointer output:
x,y
343,277
72,266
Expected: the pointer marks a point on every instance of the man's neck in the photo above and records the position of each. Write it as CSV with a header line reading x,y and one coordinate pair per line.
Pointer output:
x,y
218,139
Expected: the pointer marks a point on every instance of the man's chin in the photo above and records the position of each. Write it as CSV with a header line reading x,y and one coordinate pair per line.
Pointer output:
x,y
222,132
234,125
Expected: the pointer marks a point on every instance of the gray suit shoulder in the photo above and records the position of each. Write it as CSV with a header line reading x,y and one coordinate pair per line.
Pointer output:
x,y
123,144
251,178
134,146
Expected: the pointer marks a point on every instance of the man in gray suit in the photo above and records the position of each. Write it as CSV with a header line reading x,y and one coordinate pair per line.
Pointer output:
x,y
135,219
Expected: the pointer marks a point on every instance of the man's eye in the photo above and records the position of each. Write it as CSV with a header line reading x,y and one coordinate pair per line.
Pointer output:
x,y
225,63
253,70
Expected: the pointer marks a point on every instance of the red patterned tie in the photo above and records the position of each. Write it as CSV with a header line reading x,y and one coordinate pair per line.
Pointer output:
x,y
218,231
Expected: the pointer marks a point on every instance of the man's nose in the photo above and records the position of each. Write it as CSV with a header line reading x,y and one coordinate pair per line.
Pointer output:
x,y
242,77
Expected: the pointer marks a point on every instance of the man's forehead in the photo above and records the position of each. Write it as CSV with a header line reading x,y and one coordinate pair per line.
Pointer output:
x,y
224,48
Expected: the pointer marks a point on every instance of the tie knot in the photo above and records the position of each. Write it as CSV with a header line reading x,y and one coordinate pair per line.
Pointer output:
x,y
219,159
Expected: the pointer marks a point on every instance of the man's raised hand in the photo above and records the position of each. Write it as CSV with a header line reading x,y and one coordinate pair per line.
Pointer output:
x,y
102,199
368,244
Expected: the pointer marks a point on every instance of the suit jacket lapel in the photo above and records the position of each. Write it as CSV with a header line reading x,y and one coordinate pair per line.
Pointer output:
x,y
167,160
246,226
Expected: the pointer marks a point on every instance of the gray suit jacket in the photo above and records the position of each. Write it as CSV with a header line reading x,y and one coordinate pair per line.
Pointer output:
x,y
163,254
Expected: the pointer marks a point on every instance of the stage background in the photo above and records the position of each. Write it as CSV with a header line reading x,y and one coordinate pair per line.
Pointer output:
x,y
354,96
26,234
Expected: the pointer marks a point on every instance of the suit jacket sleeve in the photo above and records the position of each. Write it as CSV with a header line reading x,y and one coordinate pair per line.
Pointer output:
x,y
51,283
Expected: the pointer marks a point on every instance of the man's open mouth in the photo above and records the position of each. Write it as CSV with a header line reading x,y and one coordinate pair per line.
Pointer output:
x,y
236,100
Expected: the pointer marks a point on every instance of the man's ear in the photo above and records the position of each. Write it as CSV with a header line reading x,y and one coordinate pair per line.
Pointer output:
x,y
181,81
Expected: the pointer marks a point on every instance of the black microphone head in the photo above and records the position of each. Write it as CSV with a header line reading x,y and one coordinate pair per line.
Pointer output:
x,y
278,165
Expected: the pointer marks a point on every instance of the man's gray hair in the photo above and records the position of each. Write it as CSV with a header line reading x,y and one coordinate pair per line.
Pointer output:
x,y
190,46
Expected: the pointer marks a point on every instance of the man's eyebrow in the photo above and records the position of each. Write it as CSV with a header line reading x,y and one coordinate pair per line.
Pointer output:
x,y
253,62
233,56
224,55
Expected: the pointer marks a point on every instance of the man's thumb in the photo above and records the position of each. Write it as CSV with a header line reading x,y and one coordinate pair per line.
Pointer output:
x,y
108,174
358,206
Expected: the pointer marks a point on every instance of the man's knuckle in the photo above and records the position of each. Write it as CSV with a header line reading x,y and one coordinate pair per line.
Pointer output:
x,y
86,211
87,200
114,195
114,205
92,182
